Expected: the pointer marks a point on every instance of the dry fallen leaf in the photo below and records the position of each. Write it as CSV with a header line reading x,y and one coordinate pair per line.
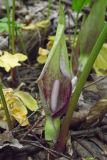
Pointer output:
x,y
16,108
41,59
8,60
96,113
17,102
42,24
43,54
19,112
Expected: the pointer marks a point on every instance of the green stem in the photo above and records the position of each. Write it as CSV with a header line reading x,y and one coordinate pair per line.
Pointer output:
x,y
5,108
13,71
74,99
9,21
13,26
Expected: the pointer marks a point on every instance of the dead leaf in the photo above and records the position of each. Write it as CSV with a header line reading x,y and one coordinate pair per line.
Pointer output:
x,y
96,113
42,24
8,60
17,102
17,109
42,59
43,54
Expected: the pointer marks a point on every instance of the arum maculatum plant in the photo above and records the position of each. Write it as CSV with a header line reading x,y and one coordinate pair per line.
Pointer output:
x,y
55,80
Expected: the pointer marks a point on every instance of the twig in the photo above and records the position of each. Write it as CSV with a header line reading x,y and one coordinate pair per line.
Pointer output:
x,y
87,147
33,126
18,126
88,132
98,80
51,151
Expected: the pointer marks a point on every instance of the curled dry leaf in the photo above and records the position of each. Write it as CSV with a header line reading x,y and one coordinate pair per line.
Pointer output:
x,y
17,102
19,112
16,108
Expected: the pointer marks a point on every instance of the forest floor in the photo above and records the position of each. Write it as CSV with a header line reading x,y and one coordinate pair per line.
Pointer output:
x,y
88,135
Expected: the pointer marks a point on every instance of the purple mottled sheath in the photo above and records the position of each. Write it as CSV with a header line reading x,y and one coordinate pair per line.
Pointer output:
x,y
63,97
56,88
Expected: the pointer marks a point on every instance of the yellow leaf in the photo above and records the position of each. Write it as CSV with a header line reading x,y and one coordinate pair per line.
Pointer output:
x,y
21,118
42,24
8,60
43,52
41,59
19,112
16,108
29,27
100,64
17,103
50,44
42,55
21,57
51,38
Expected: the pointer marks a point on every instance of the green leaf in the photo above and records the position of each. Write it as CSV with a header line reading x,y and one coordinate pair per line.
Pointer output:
x,y
77,5
4,25
90,30
28,100
100,64
52,127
